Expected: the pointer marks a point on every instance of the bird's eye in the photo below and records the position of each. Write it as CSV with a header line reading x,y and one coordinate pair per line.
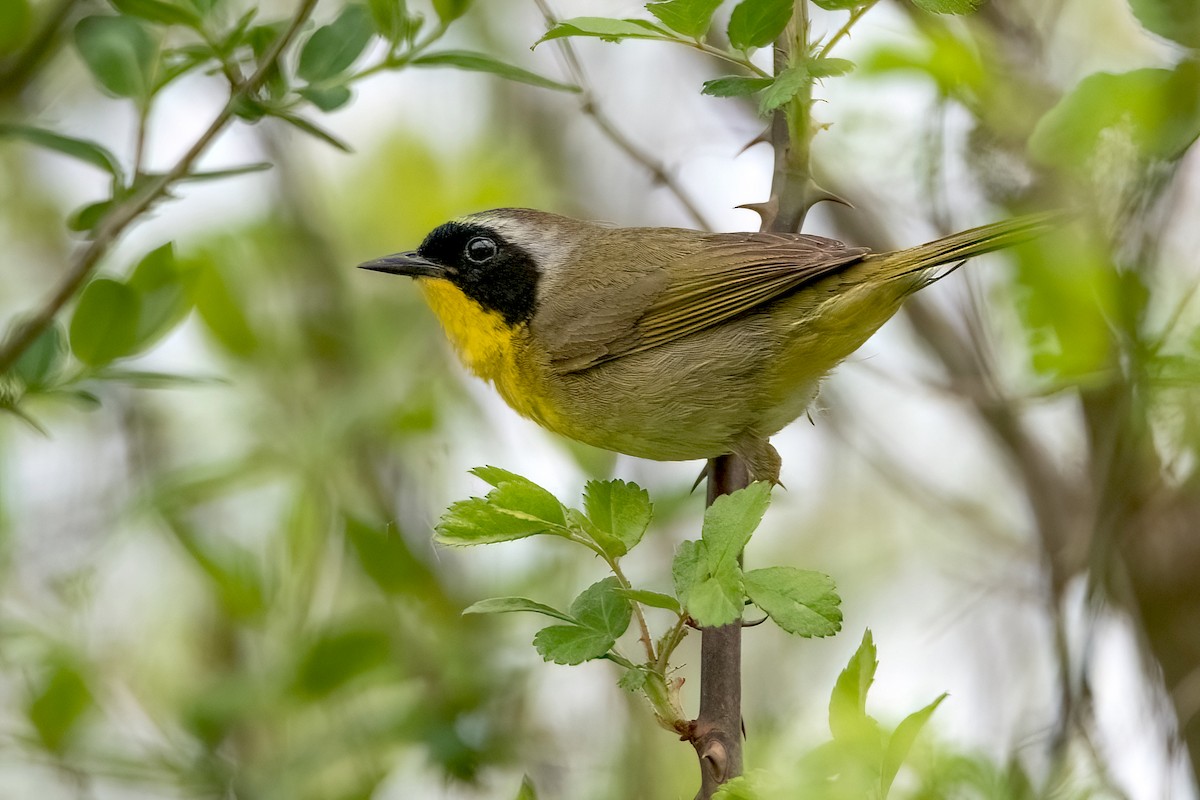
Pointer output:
x,y
481,249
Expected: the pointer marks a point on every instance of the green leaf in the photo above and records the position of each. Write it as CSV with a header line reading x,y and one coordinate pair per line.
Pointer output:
x,y
802,602
602,608
162,294
159,11
689,17
712,596
104,326
385,556
948,6
334,47
571,644
58,704
43,359
652,599
477,521
338,656
1155,110
632,680
391,19
1173,19
504,605
622,510
848,703
838,5
16,21
326,99
758,23
81,149
314,130
740,788
479,62
520,496
90,216
786,85
829,67
120,52
231,172
220,311
735,86
901,742
731,520
450,10
527,791
609,30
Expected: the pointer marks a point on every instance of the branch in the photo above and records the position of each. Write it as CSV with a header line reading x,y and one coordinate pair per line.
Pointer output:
x,y
588,103
115,223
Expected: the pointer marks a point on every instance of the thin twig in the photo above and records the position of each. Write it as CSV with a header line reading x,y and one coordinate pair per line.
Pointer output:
x,y
647,642
125,213
844,31
590,107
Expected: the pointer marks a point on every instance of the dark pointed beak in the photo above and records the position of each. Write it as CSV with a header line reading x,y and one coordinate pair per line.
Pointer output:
x,y
411,263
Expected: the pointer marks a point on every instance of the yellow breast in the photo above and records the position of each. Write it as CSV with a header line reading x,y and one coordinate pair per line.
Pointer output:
x,y
492,349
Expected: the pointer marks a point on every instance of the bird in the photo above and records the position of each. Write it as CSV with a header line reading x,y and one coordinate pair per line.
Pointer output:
x,y
665,343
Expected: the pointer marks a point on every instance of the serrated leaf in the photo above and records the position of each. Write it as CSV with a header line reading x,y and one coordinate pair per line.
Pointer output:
x,y
786,86
159,11
632,680
652,599
327,98
43,359
717,600
479,62
901,742
609,30
334,47
506,605
802,602
520,496
1178,20
758,23
689,17
450,10
838,5
476,521
948,6
602,608
622,510
1157,111
163,296
829,67
120,52
81,149
735,86
848,702
730,521
571,644
105,323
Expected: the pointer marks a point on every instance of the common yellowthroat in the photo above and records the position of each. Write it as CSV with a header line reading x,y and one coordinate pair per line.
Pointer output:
x,y
666,343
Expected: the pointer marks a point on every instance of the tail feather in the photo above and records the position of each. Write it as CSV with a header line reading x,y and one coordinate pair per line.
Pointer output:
x,y
959,247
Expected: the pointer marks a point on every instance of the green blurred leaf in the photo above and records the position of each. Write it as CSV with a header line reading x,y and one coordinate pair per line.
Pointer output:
x,y
43,360
953,63
948,6
802,602
327,99
391,19
160,11
740,788
479,62
622,510
735,86
231,172
758,23
1178,20
571,644
838,5
315,131
450,10
90,216
602,608
104,326
901,742
848,702
16,21
220,310
338,656
120,52
58,704
504,605
334,47
829,67
527,791
609,30
163,296
385,557
652,599
1156,110
689,17
82,149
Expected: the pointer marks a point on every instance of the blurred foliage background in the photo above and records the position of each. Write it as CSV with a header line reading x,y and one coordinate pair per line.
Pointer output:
x,y
223,460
